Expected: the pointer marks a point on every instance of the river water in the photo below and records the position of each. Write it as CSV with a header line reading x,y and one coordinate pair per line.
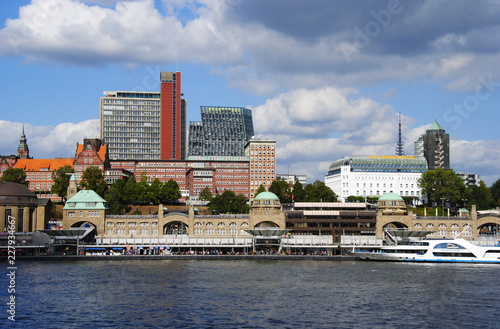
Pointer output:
x,y
252,294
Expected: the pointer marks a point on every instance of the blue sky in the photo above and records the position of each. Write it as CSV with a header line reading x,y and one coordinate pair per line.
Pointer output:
x,y
326,79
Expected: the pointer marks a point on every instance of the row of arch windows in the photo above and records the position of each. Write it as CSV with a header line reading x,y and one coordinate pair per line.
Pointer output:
x,y
221,229
442,229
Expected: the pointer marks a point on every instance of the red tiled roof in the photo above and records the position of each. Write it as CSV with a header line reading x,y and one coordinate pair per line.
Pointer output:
x,y
45,164
101,153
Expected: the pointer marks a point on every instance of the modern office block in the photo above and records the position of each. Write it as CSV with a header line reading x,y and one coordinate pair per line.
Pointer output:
x,y
223,131
145,125
434,145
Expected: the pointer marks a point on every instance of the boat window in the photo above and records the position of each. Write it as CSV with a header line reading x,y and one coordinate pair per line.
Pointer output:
x,y
454,254
419,243
447,245
493,252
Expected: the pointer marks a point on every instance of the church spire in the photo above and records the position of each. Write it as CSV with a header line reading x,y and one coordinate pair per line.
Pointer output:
x,y
23,151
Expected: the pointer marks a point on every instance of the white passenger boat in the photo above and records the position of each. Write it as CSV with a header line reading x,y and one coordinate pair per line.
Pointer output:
x,y
434,250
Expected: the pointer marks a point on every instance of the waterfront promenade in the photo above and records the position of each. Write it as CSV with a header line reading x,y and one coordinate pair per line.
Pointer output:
x,y
185,257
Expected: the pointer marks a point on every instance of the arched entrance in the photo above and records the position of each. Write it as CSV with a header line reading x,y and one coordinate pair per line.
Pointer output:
x,y
86,224
267,224
389,228
488,230
174,228
395,225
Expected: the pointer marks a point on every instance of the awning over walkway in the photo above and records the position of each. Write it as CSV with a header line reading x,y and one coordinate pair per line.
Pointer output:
x,y
267,232
406,234
70,234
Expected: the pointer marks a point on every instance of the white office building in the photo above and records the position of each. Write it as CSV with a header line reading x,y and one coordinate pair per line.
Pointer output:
x,y
375,175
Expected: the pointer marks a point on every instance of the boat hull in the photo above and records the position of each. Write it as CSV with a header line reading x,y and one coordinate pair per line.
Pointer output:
x,y
395,257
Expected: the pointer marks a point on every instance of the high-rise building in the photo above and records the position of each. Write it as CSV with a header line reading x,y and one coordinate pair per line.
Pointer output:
x,y
145,125
262,156
223,131
173,118
434,145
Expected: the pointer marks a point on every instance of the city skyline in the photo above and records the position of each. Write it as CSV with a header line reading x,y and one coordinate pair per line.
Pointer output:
x,y
325,81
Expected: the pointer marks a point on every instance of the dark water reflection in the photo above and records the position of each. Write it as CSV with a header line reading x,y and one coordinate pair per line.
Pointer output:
x,y
254,294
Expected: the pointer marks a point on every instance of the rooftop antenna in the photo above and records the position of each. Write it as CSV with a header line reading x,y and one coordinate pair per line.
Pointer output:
x,y
400,150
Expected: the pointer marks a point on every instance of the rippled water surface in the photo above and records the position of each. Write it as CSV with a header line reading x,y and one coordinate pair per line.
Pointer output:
x,y
253,294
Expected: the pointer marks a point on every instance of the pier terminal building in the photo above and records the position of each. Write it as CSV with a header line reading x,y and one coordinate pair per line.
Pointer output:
x,y
310,226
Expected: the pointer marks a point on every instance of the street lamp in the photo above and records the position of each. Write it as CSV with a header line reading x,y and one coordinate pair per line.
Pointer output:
x,y
442,205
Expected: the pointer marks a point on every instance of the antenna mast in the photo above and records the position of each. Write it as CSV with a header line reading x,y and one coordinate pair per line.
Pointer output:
x,y
400,149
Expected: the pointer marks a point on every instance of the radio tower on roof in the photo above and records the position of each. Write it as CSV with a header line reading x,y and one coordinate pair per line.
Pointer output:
x,y
400,149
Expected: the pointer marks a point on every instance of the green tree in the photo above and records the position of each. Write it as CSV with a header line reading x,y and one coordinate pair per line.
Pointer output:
x,y
142,189
206,194
171,191
130,190
298,192
61,181
15,176
495,193
116,198
440,185
229,202
155,192
260,190
354,198
282,190
479,196
319,192
93,179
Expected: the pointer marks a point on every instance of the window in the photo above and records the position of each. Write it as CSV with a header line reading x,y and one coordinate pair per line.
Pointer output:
x,y
442,230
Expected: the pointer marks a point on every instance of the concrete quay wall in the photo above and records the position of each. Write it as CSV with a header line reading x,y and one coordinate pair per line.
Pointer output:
x,y
185,257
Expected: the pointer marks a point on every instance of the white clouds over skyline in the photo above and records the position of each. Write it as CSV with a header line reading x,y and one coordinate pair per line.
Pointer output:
x,y
326,78
229,36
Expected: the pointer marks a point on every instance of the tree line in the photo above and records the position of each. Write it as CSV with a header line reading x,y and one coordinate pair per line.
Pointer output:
x,y
313,192
438,185
441,186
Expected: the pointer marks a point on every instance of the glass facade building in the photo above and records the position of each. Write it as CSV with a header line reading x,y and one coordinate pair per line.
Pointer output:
x,y
145,125
223,131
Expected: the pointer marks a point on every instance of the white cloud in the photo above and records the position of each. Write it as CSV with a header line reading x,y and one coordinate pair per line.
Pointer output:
x,y
75,33
323,125
449,66
478,157
256,56
449,41
47,142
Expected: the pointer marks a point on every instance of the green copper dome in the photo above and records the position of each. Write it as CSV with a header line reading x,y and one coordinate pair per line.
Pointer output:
x,y
266,196
390,197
